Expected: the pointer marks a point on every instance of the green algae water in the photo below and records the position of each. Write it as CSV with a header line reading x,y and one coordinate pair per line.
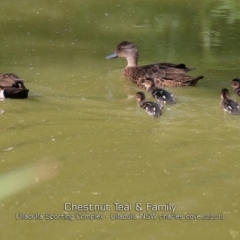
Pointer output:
x,y
80,160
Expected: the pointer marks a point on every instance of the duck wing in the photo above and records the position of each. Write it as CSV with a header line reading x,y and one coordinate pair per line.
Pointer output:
x,y
179,80
162,95
181,66
152,108
162,70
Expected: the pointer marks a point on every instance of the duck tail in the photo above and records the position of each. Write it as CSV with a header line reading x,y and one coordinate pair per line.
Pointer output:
x,y
16,92
195,80
183,66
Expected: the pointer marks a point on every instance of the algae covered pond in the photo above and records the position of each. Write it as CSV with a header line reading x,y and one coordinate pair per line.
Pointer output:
x,y
80,145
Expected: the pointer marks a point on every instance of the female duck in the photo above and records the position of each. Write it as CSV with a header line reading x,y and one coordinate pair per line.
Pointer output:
x,y
164,74
152,108
236,85
11,86
228,104
160,94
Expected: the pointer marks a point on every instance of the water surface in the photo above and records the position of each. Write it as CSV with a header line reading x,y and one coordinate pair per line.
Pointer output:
x,y
81,117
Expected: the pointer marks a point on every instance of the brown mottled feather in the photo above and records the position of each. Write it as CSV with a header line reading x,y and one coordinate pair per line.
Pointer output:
x,y
164,74
10,80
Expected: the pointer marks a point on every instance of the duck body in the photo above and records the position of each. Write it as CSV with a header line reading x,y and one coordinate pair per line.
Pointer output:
x,y
152,108
164,74
16,93
11,86
160,94
229,105
236,85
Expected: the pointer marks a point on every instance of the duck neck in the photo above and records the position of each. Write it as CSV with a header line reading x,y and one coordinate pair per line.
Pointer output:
x,y
132,60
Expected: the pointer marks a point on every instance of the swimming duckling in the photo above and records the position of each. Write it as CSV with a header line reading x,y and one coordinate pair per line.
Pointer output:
x,y
13,92
158,93
152,108
236,85
164,74
228,104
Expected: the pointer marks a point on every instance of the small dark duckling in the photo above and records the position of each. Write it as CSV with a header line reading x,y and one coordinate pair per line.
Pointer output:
x,y
236,85
228,104
152,108
160,94
13,92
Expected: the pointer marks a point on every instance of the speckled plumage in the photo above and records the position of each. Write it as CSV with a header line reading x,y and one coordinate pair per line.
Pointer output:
x,y
229,105
152,108
160,94
164,74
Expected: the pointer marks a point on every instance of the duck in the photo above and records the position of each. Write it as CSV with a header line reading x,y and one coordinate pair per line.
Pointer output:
x,y
229,105
164,74
152,108
11,86
160,94
236,85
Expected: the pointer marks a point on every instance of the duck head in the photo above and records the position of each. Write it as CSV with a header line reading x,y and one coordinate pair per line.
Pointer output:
x,y
235,83
140,96
148,83
126,50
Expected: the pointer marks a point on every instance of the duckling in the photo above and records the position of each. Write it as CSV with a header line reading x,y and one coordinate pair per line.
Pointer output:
x,y
228,104
152,108
160,94
236,85
164,74
13,92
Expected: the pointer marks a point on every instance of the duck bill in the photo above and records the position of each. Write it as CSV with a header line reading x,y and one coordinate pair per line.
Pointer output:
x,y
114,55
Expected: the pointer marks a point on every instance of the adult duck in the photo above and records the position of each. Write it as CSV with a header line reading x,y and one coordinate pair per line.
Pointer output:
x,y
11,86
164,74
229,105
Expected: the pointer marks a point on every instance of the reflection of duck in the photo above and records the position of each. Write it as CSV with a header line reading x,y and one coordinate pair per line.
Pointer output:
x,y
11,86
164,74
236,85
228,104
160,94
152,108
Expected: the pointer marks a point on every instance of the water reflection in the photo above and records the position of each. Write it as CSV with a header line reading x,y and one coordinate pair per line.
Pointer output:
x,y
229,10
25,177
